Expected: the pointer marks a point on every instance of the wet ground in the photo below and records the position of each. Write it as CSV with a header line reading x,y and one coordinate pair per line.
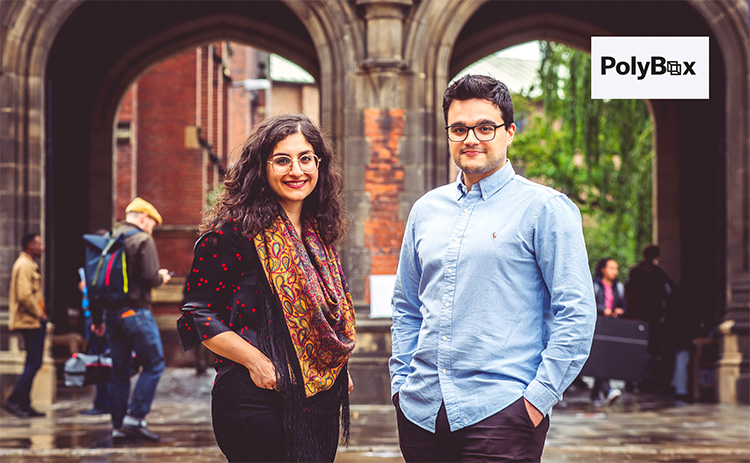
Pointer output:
x,y
639,428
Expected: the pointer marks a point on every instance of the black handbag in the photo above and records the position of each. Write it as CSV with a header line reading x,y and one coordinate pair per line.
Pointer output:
x,y
82,369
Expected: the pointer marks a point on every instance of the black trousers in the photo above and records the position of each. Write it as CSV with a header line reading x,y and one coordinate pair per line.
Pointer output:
x,y
247,420
507,436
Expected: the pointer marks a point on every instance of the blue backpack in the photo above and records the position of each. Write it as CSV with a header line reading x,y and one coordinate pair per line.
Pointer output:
x,y
107,266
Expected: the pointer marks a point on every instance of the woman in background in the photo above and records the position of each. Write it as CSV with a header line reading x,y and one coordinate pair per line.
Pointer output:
x,y
610,302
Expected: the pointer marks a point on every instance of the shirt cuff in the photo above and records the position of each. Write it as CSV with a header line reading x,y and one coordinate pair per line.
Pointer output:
x,y
540,397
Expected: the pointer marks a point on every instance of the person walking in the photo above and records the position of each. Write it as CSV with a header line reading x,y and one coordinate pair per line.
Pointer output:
x,y
610,302
130,327
493,309
29,318
267,294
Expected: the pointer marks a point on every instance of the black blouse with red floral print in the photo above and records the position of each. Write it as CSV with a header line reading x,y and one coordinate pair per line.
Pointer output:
x,y
221,292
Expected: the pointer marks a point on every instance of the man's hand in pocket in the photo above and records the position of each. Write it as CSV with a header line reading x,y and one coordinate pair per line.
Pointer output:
x,y
535,415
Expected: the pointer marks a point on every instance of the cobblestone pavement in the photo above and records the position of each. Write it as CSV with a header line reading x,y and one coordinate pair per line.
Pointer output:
x,y
639,428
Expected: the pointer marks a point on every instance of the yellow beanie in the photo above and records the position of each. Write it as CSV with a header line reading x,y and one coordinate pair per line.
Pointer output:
x,y
141,205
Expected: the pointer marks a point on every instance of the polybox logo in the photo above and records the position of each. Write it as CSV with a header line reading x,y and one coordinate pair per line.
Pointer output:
x,y
649,67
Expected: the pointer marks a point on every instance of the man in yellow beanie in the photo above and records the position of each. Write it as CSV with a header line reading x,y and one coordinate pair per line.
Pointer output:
x,y
130,326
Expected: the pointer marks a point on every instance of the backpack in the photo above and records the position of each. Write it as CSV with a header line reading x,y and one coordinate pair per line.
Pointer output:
x,y
106,266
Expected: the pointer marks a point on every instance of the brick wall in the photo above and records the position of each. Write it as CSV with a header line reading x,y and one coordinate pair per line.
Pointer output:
x,y
166,168
125,156
239,122
384,181
158,162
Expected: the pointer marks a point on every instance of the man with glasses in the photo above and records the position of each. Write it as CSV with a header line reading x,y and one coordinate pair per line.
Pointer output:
x,y
493,309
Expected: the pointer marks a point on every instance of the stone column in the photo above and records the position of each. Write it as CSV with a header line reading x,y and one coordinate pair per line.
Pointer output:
x,y
375,126
731,369
385,29
376,119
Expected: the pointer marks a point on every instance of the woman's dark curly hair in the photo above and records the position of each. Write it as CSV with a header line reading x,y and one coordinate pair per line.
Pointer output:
x,y
247,199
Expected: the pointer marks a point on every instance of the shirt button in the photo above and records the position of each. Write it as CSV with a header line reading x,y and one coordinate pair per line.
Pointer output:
x,y
450,271
445,338
447,304
445,372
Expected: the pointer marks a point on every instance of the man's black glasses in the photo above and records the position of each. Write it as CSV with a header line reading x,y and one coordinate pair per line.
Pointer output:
x,y
482,132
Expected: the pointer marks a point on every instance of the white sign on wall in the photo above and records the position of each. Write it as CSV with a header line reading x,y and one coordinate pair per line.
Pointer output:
x,y
381,292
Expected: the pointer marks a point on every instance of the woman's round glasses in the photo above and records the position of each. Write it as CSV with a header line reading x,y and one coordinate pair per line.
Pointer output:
x,y
282,164
482,132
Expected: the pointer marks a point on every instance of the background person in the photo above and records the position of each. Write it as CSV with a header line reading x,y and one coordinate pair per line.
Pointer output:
x,y
493,309
28,318
649,292
130,326
267,294
610,302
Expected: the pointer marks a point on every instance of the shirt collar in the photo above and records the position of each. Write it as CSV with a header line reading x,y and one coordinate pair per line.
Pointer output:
x,y
488,186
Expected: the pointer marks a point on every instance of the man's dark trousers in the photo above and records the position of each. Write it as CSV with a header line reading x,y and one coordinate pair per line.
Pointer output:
x,y
33,341
507,436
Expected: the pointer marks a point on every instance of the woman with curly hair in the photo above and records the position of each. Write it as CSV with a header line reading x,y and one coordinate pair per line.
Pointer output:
x,y
267,294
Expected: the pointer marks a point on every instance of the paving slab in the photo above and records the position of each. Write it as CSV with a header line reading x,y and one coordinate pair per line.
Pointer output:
x,y
639,428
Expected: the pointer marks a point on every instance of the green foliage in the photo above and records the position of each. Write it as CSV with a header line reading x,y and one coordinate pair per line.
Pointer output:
x,y
214,194
598,152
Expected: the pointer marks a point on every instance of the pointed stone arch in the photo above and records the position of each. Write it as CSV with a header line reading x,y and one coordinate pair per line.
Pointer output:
x,y
338,37
27,32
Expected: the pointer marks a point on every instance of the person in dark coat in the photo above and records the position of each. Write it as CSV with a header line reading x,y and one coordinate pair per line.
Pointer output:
x,y
649,291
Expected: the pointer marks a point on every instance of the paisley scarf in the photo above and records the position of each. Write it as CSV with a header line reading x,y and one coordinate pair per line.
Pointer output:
x,y
306,275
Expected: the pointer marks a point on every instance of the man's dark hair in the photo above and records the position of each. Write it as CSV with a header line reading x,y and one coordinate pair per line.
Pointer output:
x,y
482,87
651,252
27,239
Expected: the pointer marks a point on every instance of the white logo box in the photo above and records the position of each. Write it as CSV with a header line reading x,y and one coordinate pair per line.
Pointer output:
x,y
649,67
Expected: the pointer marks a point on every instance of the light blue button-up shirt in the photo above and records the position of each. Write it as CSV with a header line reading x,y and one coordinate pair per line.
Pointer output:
x,y
493,300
